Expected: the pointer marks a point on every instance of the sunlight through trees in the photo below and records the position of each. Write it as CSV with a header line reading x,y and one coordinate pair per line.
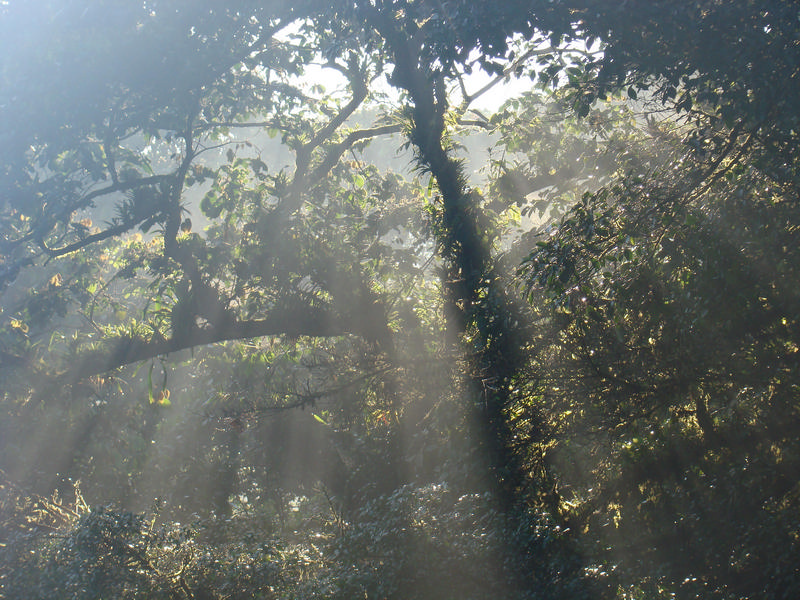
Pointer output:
x,y
289,308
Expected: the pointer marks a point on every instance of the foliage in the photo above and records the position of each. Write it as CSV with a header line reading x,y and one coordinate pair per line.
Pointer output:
x,y
217,291
429,542
102,552
673,370
415,542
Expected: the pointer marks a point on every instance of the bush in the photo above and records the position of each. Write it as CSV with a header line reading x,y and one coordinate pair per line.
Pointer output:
x,y
429,542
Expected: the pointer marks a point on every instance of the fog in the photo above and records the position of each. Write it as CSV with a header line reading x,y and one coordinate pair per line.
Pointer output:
x,y
403,300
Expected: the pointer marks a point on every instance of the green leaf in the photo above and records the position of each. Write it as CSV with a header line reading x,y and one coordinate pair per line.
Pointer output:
x,y
150,383
210,206
320,419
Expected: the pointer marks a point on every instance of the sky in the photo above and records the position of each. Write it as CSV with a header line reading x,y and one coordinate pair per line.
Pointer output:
x,y
488,102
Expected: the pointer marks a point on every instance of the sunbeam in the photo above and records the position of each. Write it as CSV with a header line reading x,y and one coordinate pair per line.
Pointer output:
x,y
408,300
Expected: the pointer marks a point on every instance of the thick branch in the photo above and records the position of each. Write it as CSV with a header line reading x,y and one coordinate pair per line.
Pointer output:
x,y
292,322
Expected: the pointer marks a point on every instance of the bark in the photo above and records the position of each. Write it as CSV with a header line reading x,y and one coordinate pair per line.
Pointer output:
x,y
473,293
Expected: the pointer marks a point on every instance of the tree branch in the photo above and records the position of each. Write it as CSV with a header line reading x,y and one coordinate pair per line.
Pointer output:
x,y
292,322
336,151
87,241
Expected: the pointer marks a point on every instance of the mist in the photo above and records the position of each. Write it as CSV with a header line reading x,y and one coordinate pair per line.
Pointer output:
x,y
407,300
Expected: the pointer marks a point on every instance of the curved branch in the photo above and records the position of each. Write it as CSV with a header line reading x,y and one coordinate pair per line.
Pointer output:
x,y
336,151
292,322
87,241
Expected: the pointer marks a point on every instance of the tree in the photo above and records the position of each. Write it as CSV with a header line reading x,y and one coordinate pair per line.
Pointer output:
x,y
671,296
211,214
299,253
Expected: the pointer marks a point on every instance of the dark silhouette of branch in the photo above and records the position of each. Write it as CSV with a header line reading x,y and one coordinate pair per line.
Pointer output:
x,y
336,151
88,240
293,322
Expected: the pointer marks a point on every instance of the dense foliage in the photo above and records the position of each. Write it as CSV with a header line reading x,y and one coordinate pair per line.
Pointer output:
x,y
286,312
